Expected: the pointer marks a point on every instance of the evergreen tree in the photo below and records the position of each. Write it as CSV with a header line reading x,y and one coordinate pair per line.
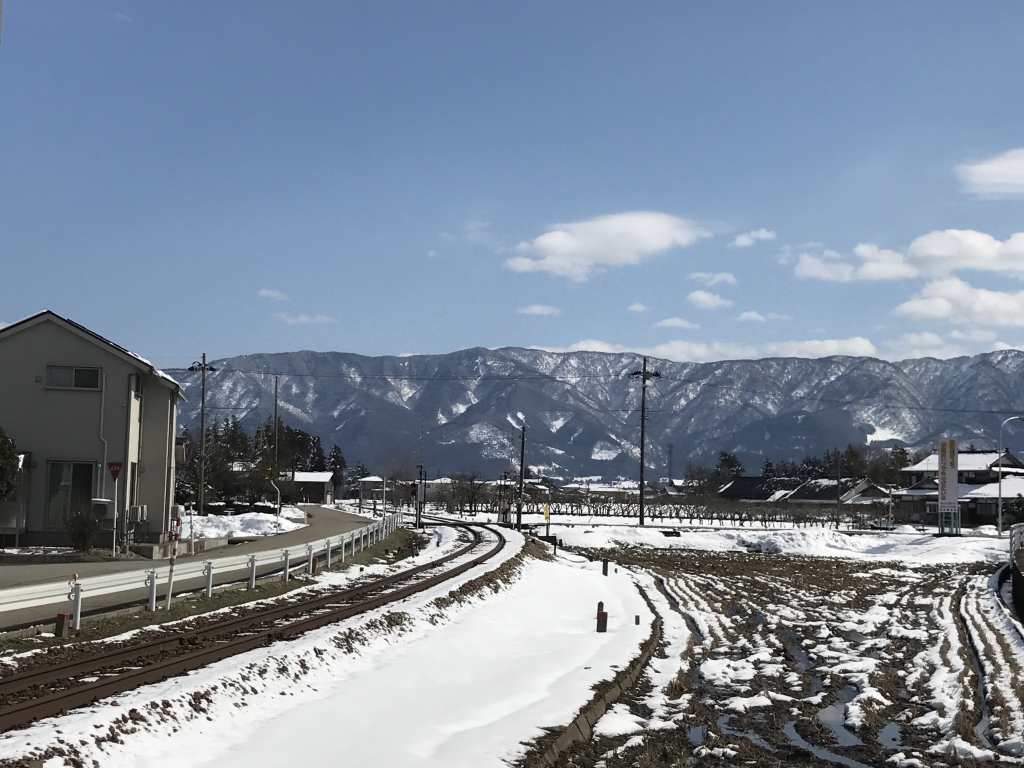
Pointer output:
x,y
767,469
728,467
336,463
315,459
8,465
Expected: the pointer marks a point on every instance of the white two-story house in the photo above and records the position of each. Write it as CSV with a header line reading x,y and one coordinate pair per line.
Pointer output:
x,y
75,404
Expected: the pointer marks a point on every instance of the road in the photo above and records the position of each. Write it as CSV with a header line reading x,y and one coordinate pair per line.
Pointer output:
x,y
323,522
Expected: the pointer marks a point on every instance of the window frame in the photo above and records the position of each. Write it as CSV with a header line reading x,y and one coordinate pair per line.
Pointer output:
x,y
74,371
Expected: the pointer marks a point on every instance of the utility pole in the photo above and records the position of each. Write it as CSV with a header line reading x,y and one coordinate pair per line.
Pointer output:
x,y
522,478
201,366
276,475
670,463
645,376
421,495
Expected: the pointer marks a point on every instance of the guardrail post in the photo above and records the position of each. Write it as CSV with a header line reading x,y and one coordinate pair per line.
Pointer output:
x,y
309,559
151,583
327,559
76,592
208,570
287,557
252,571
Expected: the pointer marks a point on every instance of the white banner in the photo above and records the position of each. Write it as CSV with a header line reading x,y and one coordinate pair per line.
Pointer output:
x,y
949,489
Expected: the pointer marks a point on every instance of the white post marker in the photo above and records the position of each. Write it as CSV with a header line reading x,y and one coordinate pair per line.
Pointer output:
x,y
327,557
208,571
151,583
76,597
252,571
309,559
287,556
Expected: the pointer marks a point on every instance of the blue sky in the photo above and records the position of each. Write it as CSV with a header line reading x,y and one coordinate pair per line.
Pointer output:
x,y
697,181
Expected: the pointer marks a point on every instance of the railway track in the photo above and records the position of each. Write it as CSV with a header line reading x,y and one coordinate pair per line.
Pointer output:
x,y
52,689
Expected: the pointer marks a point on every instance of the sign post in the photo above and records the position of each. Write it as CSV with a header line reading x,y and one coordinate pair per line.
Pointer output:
x,y
114,467
949,488
547,520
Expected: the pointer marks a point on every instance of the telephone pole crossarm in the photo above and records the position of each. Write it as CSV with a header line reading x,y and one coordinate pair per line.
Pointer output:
x,y
644,375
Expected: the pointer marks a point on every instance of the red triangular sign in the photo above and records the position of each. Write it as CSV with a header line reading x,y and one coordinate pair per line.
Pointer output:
x,y
115,468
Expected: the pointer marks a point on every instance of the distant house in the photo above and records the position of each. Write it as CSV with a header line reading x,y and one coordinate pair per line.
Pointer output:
x,y
978,488
315,487
77,404
764,489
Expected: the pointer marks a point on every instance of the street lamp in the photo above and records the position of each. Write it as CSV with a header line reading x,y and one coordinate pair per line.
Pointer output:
x,y
999,517
201,366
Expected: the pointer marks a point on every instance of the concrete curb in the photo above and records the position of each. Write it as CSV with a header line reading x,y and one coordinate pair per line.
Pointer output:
x,y
582,727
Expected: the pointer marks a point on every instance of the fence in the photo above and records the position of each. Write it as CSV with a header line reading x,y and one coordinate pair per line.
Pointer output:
x,y
299,556
1016,539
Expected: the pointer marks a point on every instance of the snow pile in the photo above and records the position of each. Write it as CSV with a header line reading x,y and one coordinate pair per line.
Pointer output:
x,y
246,524
618,721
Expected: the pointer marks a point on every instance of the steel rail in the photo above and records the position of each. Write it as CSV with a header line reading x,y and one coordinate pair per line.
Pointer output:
x,y
25,712
20,681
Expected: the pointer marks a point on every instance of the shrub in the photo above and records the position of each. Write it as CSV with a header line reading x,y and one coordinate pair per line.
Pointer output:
x,y
82,525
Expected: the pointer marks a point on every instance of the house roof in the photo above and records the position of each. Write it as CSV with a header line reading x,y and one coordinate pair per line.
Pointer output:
x,y
825,489
313,477
1013,486
969,461
758,488
81,330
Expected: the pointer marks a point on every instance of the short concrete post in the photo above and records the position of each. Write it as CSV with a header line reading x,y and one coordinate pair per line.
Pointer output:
x,y
327,558
638,619
602,618
343,549
309,559
151,582
287,556
252,571
208,571
604,566
76,621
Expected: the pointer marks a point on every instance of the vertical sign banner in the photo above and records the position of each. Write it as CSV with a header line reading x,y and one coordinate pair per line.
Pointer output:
x,y
949,489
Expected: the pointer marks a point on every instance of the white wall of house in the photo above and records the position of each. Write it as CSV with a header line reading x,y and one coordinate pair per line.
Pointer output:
x,y
130,417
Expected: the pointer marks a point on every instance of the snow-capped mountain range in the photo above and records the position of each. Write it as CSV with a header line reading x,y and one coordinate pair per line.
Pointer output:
x,y
462,412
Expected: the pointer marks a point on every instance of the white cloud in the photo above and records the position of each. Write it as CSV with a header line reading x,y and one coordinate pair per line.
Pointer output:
x,y
540,309
976,335
954,300
935,254
637,307
921,345
942,253
751,317
707,300
577,250
715,278
698,352
1002,346
676,322
999,176
303,319
270,293
749,238
876,264
856,346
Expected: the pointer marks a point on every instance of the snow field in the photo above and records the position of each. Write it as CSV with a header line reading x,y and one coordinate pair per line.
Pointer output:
x,y
815,542
464,686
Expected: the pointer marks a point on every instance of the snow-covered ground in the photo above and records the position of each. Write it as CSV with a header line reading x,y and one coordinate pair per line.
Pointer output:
x,y
821,542
245,524
462,685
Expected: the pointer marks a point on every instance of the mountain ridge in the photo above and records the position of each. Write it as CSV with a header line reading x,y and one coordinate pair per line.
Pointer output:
x,y
461,411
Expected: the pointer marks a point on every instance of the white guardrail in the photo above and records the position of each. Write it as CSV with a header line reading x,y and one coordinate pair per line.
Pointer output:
x,y
1016,539
158,578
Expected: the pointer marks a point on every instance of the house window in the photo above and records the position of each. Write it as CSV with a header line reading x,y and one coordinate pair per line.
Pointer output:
x,y
69,486
67,377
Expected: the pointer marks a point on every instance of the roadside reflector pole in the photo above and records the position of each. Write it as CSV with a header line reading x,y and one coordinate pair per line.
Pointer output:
x,y
287,557
151,582
327,559
208,570
76,595
252,571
